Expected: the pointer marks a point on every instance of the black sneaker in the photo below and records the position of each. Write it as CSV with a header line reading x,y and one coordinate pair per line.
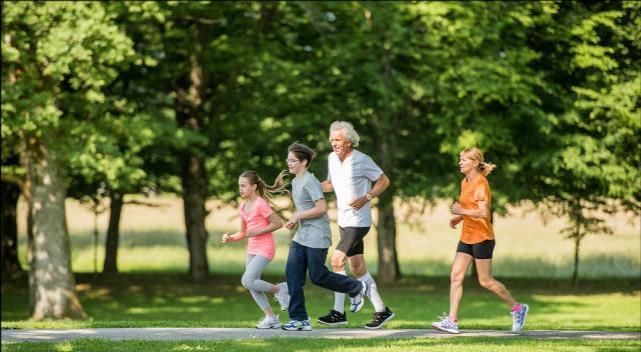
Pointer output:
x,y
333,318
380,318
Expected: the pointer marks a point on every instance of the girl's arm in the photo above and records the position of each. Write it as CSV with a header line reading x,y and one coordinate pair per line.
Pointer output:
x,y
238,235
275,223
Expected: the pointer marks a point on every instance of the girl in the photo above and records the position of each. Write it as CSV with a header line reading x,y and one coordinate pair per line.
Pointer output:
x,y
477,241
308,250
257,222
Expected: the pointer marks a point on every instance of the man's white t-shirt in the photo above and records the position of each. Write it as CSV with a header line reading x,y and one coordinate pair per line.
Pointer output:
x,y
352,178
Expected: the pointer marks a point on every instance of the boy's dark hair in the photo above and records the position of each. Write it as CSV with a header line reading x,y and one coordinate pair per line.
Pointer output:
x,y
302,152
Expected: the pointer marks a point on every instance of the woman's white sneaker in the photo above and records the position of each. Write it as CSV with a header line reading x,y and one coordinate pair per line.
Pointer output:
x,y
446,325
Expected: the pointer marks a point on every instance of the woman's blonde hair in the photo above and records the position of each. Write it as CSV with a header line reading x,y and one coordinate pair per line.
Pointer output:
x,y
264,190
477,155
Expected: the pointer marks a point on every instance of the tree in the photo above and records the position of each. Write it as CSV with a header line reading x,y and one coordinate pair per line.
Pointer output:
x,y
57,59
590,167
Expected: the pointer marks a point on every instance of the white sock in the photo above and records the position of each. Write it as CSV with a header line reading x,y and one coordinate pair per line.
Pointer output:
x,y
339,298
373,295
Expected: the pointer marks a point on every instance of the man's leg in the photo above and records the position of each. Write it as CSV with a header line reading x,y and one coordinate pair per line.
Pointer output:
x,y
338,260
359,269
350,239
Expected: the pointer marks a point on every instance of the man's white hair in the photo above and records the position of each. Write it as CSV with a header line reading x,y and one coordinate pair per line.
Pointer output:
x,y
350,132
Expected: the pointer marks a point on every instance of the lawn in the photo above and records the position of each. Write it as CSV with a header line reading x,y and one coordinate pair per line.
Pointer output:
x,y
531,258
527,246
170,300
459,344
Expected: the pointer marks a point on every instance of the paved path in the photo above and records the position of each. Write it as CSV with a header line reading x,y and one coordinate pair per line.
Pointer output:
x,y
19,335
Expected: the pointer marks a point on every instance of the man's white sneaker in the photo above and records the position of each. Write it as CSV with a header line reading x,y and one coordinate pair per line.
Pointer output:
x,y
269,323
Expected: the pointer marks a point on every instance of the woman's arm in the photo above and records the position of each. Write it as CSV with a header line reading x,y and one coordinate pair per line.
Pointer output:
x,y
482,211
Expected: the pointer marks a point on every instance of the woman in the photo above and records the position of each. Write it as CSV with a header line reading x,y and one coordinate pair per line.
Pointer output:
x,y
477,241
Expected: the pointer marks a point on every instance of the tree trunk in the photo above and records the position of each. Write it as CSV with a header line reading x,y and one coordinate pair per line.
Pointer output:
x,y
388,269
113,234
10,262
194,191
194,177
575,272
51,280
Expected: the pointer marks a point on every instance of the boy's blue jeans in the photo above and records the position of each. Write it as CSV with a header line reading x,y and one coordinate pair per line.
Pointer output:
x,y
302,259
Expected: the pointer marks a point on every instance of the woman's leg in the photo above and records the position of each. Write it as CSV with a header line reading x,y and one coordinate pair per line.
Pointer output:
x,y
457,276
484,270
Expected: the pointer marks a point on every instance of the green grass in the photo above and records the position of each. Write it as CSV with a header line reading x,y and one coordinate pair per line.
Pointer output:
x,y
526,245
170,300
459,344
531,258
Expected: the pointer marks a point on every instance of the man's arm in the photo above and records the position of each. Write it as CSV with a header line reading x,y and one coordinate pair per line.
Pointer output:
x,y
327,186
379,187
382,183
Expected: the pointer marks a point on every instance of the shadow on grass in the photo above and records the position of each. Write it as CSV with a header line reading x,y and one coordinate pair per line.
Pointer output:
x,y
170,299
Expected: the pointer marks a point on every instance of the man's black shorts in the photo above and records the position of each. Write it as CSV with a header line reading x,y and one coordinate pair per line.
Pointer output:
x,y
481,250
351,241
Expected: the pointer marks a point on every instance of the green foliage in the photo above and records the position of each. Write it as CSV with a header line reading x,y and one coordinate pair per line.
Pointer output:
x,y
549,90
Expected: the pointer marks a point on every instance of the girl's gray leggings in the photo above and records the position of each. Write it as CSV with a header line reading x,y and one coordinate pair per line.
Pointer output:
x,y
251,279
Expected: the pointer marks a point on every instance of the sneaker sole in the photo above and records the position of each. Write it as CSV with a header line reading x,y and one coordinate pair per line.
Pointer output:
x,y
302,328
381,324
446,330
270,327
331,324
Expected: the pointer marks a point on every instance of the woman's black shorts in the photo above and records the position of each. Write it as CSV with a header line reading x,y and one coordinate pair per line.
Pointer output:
x,y
481,250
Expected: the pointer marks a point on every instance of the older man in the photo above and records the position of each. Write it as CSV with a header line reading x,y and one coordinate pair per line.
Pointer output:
x,y
351,175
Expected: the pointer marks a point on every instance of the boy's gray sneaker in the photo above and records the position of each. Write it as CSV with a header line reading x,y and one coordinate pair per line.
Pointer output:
x,y
357,302
297,325
518,318
282,296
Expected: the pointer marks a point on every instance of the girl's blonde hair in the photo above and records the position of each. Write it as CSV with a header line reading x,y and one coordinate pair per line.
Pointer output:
x,y
477,155
264,190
